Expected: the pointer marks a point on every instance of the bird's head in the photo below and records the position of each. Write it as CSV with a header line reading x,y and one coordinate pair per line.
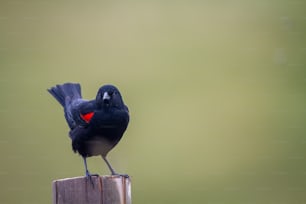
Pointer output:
x,y
109,96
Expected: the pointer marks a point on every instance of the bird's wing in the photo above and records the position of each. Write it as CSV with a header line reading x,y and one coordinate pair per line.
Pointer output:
x,y
77,135
79,113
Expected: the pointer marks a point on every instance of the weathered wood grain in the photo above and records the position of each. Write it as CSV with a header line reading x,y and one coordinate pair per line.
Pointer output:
x,y
104,190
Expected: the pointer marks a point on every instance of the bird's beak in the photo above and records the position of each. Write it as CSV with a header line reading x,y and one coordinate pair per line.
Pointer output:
x,y
106,96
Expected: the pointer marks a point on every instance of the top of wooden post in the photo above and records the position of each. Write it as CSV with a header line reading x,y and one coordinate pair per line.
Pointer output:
x,y
113,189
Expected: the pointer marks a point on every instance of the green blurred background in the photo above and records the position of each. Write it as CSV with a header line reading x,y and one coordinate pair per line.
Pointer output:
x,y
216,91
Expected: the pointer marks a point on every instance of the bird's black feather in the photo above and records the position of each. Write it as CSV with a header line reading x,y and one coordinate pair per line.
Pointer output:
x,y
96,126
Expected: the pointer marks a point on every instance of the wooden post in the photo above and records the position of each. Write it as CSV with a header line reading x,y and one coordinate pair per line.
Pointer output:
x,y
103,190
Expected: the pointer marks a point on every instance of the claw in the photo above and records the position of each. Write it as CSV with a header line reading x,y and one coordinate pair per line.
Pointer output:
x,y
87,173
123,175
88,176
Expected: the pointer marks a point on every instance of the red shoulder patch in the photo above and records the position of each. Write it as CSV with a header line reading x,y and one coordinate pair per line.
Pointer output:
x,y
87,117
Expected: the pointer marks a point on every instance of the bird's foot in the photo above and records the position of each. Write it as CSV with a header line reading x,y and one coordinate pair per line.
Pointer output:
x,y
123,175
89,175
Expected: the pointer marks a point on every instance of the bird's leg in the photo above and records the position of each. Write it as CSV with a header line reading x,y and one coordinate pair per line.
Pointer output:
x,y
88,175
86,169
111,168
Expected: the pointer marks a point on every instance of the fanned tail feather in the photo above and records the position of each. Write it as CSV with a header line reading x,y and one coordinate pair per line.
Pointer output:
x,y
65,93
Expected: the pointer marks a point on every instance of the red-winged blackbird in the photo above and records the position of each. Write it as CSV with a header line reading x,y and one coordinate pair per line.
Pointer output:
x,y
96,126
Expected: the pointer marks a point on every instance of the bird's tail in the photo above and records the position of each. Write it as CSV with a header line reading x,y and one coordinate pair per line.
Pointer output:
x,y
65,93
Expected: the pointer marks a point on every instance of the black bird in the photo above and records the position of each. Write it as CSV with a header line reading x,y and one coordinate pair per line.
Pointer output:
x,y
96,126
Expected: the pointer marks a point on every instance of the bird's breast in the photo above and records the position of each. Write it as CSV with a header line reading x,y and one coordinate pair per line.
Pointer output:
x,y
98,146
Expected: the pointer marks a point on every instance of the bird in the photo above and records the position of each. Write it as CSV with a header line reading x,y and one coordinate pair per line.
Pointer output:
x,y
96,126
